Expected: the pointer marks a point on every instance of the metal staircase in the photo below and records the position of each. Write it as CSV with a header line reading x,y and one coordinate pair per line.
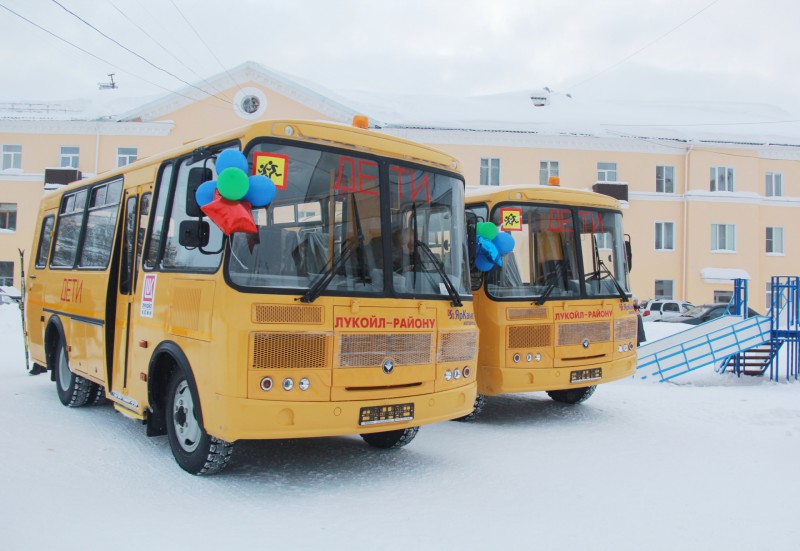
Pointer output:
x,y
733,341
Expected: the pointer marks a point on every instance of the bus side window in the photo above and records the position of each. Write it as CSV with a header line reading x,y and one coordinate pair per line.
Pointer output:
x,y
144,211
162,193
68,230
44,242
128,243
176,256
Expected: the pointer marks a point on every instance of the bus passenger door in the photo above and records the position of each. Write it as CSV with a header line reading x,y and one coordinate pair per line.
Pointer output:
x,y
136,205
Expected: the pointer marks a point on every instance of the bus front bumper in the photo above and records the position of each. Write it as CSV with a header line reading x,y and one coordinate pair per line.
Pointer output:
x,y
498,380
231,418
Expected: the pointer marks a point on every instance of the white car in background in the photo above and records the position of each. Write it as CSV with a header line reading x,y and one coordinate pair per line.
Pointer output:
x,y
656,310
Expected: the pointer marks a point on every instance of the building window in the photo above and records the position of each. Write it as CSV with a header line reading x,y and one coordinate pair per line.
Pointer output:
x,y
665,179
665,236
126,155
547,170
775,240
8,216
606,172
722,178
12,156
69,156
723,296
490,171
6,274
774,184
664,289
723,237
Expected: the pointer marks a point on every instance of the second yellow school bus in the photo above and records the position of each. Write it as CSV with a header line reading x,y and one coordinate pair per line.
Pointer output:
x,y
313,325
557,316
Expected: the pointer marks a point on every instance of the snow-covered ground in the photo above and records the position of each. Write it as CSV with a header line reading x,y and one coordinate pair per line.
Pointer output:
x,y
708,463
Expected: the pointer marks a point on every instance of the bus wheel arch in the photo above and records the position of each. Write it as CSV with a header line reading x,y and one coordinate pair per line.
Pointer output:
x,y
73,390
176,409
53,334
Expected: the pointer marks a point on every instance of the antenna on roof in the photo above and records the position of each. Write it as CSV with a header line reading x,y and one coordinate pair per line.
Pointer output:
x,y
108,85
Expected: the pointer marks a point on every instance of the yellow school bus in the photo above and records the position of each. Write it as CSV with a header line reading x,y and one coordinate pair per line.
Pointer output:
x,y
557,316
314,324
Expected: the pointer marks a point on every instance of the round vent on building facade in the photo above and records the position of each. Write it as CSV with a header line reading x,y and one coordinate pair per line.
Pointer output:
x,y
250,103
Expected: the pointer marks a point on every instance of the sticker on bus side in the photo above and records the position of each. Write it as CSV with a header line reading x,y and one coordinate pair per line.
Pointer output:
x,y
148,296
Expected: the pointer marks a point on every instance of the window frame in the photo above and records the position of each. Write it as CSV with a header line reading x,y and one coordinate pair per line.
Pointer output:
x,y
490,168
729,178
13,158
729,236
128,157
546,171
670,296
661,181
663,234
8,218
773,184
606,171
771,241
69,157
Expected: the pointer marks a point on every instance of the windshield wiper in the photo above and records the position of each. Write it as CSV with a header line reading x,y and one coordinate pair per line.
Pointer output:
x,y
613,280
455,299
553,278
322,283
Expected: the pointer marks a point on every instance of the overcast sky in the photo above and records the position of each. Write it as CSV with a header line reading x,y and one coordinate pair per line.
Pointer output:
x,y
733,50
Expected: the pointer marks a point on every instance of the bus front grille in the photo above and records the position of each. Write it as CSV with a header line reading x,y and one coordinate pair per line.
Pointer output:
x,y
529,336
283,313
457,346
534,313
625,329
576,333
369,350
290,350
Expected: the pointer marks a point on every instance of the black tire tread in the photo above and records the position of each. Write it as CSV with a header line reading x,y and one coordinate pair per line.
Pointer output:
x,y
392,439
572,395
480,403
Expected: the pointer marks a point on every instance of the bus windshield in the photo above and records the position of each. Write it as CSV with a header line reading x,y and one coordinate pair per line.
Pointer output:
x,y
561,252
324,231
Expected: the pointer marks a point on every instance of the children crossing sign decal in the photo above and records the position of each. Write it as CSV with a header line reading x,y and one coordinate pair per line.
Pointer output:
x,y
148,296
273,166
511,219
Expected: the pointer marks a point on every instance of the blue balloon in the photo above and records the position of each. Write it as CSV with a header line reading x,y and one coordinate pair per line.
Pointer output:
x,y
231,158
487,249
205,192
503,242
261,192
483,264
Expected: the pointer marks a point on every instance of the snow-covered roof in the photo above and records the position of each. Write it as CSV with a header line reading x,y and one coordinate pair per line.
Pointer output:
x,y
679,121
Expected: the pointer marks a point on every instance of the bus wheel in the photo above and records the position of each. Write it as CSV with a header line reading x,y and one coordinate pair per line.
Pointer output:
x,y
391,439
573,395
480,402
73,390
194,449
97,395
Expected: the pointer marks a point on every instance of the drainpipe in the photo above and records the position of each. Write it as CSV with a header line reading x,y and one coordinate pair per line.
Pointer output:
x,y
685,217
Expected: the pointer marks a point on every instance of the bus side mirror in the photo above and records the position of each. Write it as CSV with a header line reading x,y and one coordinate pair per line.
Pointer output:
x,y
197,176
628,252
194,233
472,235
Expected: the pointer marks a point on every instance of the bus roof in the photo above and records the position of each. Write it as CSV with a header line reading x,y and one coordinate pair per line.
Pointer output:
x,y
321,132
540,194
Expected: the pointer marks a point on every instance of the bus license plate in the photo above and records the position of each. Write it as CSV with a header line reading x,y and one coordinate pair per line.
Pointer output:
x,y
376,415
585,375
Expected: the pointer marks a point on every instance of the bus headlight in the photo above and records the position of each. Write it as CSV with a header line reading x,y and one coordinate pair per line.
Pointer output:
x,y
266,384
303,384
448,375
288,384
456,373
466,371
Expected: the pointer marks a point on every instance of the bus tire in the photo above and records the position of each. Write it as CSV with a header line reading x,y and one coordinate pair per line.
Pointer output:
x,y
391,439
73,390
572,395
195,451
480,402
97,395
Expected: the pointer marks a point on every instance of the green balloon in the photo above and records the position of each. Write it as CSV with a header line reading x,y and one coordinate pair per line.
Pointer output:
x,y
487,230
232,183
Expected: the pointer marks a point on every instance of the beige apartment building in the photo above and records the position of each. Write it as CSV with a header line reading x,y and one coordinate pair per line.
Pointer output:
x,y
704,202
